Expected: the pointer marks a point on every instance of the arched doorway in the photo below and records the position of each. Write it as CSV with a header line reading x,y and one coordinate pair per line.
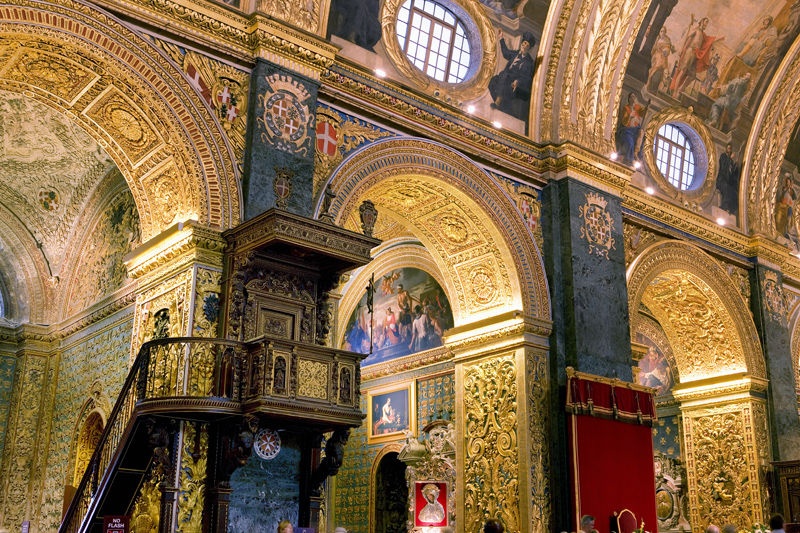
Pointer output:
x,y
704,356
389,492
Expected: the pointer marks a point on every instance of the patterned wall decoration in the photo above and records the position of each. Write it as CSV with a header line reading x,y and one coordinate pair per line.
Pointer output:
x,y
351,508
99,352
491,469
338,134
18,456
668,436
223,87
7,366
101,270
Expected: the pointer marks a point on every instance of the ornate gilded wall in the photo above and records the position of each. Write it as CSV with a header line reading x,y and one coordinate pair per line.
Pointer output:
x,y
435,399
99,352
7,364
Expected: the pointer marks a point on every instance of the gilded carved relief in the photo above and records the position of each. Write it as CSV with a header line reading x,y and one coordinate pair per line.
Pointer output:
x,y
304,15
146,511
286,120
538,383
339,134
636,240
53,73
722,467
530,207
491,469
100,270
192,491
774,302
207,302
597,225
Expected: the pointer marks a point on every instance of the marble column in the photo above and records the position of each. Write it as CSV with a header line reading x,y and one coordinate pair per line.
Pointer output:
x,y
280,141
769,312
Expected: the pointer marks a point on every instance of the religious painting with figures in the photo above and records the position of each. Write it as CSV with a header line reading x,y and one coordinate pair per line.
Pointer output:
x,y
392,411
411,313
654,369
430,504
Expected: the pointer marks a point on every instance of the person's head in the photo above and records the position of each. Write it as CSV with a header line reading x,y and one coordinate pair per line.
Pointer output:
x,y
662,31
729,528
493,526
729,149
747,75
776,522
631,98
418,310
528,41
431,492
704,25
767,22
712,529
400,286
285,527
388,401
787,180
715,59
587,521
389,310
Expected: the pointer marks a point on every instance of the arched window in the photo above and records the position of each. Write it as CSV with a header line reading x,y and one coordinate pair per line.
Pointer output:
x,y
434,40
675,156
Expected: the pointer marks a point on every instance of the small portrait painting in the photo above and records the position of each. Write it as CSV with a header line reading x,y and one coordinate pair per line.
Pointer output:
x,y
391,412
430,504
654,370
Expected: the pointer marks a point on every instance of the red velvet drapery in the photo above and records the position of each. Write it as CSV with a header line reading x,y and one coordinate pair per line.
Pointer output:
x,y
611,450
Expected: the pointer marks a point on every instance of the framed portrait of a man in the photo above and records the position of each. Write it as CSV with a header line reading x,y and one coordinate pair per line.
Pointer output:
x,y
391,411
430,504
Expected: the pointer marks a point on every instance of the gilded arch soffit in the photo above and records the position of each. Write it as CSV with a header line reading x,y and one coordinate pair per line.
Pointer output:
x,y
579,89
767,143
401,256
448,201
25,271
131,100
653,331
700,310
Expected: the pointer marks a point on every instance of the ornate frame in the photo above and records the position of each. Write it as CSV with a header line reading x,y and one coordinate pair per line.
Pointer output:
x,y
411,387
486,56
686,116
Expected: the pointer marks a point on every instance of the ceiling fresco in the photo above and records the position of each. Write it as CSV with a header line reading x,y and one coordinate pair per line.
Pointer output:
x,y
49,168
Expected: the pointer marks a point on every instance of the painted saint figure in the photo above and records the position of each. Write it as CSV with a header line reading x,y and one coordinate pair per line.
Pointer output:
x,y
433,512
784,211
752,51
734,93
511,88
728,181
659,60
695,56
630,133
712,75
391,334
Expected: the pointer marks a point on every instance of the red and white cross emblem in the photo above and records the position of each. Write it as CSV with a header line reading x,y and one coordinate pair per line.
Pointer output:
x,y
197,82
287,115
232,114
224,96
282,187
326,139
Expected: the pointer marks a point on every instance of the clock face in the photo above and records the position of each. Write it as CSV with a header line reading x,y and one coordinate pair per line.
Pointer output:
x,y
268,444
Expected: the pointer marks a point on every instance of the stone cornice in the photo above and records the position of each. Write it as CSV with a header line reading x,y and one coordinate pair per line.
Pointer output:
x,y
723,388
176,243
231,33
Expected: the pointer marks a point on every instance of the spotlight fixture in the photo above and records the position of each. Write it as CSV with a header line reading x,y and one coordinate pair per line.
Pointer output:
x,y
470,109
637,165
497,124
380,72
721,221
649,190
614,156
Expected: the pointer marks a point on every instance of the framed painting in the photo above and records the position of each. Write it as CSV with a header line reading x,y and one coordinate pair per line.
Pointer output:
x,y
430,504
391,411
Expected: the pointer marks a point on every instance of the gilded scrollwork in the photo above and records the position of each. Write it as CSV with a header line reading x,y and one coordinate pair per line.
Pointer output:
x,y
313,379
774,302
636,240
539,435
146,512
722,470
597,225
491,469
712,295
191,495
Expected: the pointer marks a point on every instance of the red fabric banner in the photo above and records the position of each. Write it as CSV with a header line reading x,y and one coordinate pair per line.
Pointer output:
x,y
611,451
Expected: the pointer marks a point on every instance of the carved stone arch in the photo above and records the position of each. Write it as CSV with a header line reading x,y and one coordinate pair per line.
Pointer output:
x,y
579,86
126,94
395,448
25,274
700,310
472,229
82,254
767,143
